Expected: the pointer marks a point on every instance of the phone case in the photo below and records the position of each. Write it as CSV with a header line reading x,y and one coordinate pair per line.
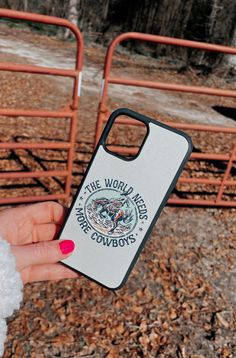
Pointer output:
x,y
119,201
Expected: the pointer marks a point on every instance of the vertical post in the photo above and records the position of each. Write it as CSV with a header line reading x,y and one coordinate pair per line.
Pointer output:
x,y
70,158
227,171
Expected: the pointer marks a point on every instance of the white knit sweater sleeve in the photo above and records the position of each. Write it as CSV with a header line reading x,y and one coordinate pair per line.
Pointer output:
x,y
10,288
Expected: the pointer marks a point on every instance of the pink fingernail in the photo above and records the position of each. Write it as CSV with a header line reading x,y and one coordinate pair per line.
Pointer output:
x,y
66,246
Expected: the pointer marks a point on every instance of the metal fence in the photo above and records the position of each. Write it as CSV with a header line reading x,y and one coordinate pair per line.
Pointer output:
x,y
227,157
70,112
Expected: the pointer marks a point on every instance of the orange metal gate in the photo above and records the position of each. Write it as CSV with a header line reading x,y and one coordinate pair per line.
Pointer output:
x,y
69,113
228,158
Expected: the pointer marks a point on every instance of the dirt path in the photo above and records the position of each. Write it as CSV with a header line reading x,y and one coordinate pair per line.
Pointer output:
x,y
183,107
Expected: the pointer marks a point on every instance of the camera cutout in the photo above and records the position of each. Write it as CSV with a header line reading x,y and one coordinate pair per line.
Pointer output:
x,y
126,137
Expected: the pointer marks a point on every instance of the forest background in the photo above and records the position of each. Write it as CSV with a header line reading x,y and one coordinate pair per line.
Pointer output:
x,y
211,21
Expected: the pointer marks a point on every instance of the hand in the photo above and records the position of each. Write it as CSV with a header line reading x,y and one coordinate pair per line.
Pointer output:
x,y
30,230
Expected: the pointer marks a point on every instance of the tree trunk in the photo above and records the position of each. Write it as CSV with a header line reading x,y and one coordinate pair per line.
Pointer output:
x,y
25,5
72,16
220,29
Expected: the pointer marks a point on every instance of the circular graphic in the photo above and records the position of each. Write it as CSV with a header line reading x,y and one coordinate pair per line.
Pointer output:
x,y
111,212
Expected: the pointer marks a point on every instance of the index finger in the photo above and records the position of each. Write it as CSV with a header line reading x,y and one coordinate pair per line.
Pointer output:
x,y
45,213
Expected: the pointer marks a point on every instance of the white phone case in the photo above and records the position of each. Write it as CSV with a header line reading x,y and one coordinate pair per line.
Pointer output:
x,y
119,201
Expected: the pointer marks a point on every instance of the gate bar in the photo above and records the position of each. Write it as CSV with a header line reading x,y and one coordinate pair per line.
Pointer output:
x,y
45,145
173,87
198,127
36,174
34,113
227,172
38,70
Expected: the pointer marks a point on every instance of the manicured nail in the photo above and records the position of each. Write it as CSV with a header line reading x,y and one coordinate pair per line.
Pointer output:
x,y
66,246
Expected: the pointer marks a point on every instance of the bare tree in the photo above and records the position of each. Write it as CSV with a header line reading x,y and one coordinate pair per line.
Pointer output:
x,y
25,5
72,15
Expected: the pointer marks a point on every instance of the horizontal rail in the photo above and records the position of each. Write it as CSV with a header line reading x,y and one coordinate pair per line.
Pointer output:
x,y
36,174
172,87
172,41
211,156
203,127
199,156
34,113
38,70
206,181
54,145
198,202
33,198
195,127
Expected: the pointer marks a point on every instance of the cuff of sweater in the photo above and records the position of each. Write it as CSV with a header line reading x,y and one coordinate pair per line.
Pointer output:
x,y
10,288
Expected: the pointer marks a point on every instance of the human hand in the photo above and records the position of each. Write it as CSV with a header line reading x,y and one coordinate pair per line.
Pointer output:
x,y
30,230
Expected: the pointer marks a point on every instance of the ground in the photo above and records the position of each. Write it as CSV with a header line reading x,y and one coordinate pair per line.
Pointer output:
x,y
180,299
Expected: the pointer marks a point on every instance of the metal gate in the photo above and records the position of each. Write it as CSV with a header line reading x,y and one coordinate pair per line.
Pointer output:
x,y
228,158
70,112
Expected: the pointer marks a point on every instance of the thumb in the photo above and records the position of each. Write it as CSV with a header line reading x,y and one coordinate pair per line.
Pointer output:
x,y
45,252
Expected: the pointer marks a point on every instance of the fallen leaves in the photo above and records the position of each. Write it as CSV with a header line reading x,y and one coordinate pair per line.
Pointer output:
x,y
178,301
